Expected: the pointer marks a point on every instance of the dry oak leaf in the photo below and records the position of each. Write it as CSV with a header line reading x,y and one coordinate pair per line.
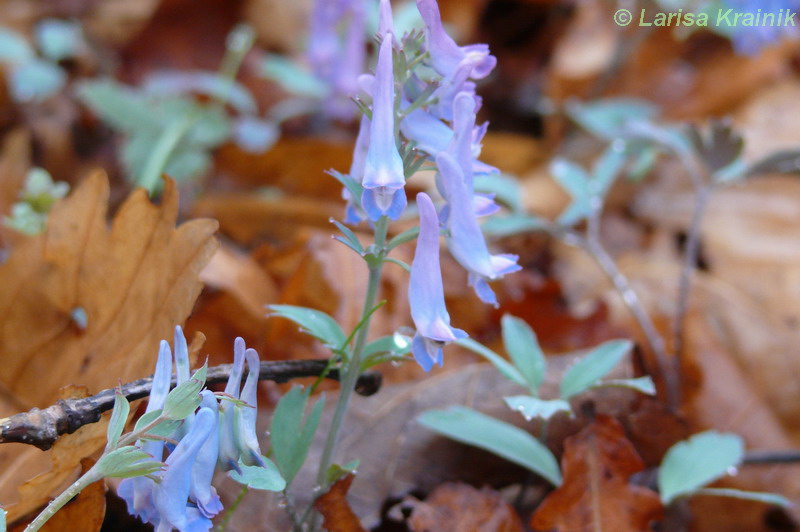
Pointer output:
x,y
336,512
85,512
596,495
456,507
85,305
82,304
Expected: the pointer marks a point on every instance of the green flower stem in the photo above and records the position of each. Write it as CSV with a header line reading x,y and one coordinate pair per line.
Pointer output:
x,y
165,146
131,437
91,476
353,369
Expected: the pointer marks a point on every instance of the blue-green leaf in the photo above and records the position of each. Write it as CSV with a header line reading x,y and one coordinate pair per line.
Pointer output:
x,y
185,398
693,463
336,471
292,77
313,322
59,39
501,438
766,498
500,226
576,182
643,385
35,80
523,348
291,431
506,189
266,477
533,407
128,461
506,368
119,417
14,48
588,371
608,118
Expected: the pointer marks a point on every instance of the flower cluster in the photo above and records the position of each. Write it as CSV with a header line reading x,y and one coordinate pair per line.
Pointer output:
x,y
423,110
216,435
336,51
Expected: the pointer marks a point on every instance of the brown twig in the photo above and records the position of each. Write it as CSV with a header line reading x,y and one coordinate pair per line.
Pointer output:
x,y
41,428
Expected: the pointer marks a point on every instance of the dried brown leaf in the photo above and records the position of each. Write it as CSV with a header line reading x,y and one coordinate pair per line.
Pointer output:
x,y
336,512
89,305
457,507
596,494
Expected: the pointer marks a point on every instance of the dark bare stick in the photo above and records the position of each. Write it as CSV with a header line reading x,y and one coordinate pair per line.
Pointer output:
x,y
42,428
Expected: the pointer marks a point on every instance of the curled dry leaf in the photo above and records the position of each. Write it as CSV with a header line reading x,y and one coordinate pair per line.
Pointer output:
x,y
336,512
456,507
596,494
89,305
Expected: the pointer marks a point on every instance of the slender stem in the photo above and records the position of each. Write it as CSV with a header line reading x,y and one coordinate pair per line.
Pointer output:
x,y
232,508
93,475
595,248
353,369
135,435
691,252
164,148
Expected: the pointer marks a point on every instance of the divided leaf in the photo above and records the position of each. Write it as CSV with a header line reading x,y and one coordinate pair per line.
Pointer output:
x,y
266,478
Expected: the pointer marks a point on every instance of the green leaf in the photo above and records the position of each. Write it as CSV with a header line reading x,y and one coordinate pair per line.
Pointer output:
x,y
266,478
608,118
119,416
643,385
533,407
766,498
506,189
607,169
35,80
593,367
185,398
396,344
2,520
503,366
14,48
693,463
576,182
501,438
313,322
59,39
523,348
336,471
500,226
163,429
292,77
128,461
350,237
291,431
406,236
119,106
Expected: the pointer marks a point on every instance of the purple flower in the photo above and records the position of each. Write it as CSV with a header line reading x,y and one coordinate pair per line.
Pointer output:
x,y
353,211
466,241
385,22
245,416
172,493
238,439
384,177
228,451
446,55
137,492
201,490
750,40
426,294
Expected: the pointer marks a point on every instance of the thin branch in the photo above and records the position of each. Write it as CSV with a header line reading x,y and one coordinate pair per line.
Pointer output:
x,y
691,252
772,457
42,428
595,248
